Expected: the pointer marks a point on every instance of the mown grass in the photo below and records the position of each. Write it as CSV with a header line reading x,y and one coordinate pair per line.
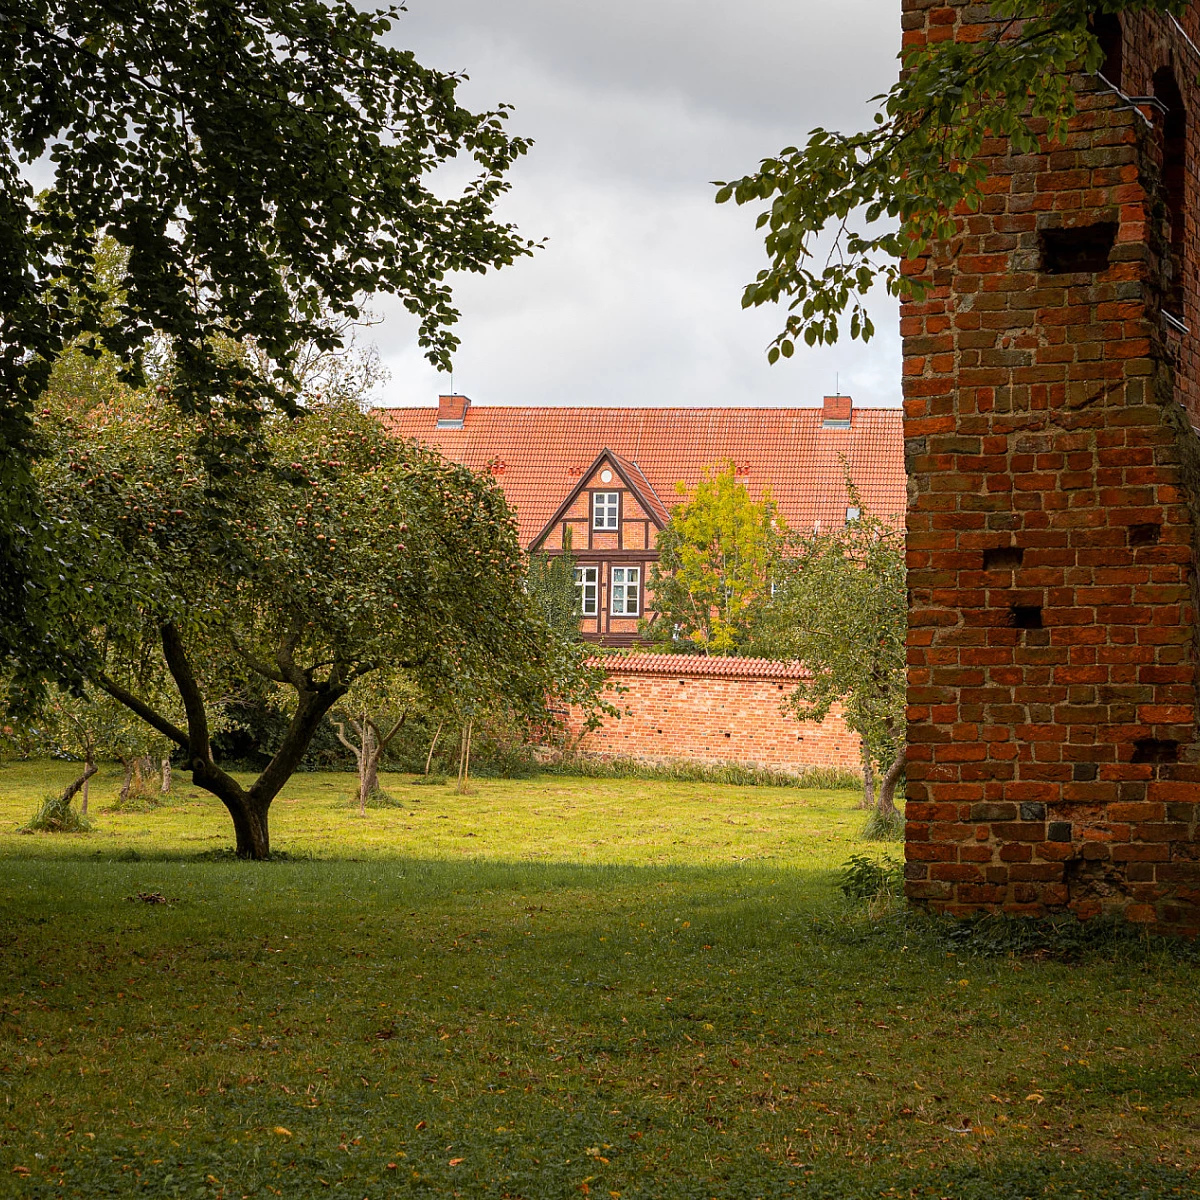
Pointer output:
x,y
612,988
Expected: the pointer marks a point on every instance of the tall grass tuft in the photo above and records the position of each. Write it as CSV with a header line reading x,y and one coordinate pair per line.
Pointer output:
x,y
683,771
379,799
53,816
884,826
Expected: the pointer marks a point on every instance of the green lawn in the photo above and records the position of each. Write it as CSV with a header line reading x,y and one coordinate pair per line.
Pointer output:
x,y
546,989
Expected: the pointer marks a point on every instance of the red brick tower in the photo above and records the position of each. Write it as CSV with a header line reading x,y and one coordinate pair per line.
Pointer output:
x,y
1051,381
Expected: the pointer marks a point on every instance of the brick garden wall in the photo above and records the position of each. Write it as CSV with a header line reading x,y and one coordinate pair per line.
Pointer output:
x,y
716,710
1052,513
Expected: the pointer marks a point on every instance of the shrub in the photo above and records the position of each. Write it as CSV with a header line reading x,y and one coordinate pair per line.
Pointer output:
x,y
864,878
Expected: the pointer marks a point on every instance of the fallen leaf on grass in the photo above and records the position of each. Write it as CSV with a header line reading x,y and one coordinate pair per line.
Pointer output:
x,y
279,1129
1035,1096
455,1161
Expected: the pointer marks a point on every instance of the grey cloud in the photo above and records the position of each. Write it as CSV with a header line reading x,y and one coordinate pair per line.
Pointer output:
x,y
636,107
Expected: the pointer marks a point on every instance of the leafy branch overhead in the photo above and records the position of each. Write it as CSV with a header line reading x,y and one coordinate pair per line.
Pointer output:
x,y
263,165
259,159
887,194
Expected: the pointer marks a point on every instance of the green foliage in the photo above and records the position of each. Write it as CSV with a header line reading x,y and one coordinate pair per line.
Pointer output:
x,y
864,878
255,727
56,816
551,584
698,772
883,825
1062,938
717,556
294,575
93,727
887,194
842,609
262,165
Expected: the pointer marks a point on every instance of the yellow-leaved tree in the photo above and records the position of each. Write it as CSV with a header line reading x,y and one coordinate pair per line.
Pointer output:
x,y
717,555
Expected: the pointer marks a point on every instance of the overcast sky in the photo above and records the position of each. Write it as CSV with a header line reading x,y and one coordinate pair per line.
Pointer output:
x,y
635,106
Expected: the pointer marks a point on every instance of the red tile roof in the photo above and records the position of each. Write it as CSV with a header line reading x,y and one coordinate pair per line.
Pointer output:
x,y
699,665
642,487
538,452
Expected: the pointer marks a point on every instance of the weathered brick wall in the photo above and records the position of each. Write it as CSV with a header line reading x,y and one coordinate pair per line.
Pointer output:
x,y
1051,525
716,710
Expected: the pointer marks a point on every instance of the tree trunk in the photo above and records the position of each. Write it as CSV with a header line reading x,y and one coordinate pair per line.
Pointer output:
x,y
464,759
166,776
89,769
368,773
433,745
371,771
126,782
359,753
248,811
250,828
375,742
887,789
868,800
247,807
63,802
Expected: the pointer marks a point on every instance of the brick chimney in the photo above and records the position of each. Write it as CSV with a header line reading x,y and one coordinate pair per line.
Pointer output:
x,y
452,411
836,411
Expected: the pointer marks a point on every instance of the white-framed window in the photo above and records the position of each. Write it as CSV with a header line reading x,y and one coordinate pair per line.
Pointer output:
x,y
626,584
587,590
606,507
853,512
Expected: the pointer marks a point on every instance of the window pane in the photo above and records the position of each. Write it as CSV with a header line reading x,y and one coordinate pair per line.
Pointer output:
x,y
631,591
623,600
585,584
605,509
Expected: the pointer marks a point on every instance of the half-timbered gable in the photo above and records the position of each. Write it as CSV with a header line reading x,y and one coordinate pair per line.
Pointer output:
x,y
605,480
610,521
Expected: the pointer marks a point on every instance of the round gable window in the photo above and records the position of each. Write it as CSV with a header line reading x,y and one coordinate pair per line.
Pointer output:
x,y
606,477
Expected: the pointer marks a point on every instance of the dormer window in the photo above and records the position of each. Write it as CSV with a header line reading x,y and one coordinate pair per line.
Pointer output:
x,y
606,508
836,412
452,411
